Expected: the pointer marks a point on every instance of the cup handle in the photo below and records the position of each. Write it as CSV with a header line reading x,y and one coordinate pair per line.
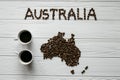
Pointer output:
x,y
16,39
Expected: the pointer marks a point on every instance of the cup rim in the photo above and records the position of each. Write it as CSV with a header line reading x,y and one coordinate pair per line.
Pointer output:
x,y
22,62
20,40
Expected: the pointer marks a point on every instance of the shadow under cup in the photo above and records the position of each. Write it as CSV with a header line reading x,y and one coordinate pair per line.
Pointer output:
x,y
25,57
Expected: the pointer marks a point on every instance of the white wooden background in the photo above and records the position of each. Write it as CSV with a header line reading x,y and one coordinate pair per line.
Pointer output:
x,y
99,41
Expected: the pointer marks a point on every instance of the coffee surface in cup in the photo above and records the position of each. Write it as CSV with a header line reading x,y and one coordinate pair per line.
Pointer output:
x,y
25,36
26,56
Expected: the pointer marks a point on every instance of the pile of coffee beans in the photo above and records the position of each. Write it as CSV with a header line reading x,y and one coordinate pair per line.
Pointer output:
x,y
57,46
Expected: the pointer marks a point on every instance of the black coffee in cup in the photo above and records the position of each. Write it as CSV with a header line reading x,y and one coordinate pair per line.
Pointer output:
x,y
25,56
25,36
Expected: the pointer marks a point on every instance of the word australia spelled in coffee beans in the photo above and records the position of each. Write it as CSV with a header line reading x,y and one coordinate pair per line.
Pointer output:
x,y
61,14
57,46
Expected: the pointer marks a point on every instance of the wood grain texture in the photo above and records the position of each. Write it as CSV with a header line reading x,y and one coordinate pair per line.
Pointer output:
x,y
82,29
98,40
40,67
67,0
90,48
28,77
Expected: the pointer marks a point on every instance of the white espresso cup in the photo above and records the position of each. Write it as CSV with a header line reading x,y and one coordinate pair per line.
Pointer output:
x,y
25,57
25,37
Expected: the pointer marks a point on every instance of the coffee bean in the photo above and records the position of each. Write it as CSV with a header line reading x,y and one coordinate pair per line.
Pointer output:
x,y
83,72
72,72
86,67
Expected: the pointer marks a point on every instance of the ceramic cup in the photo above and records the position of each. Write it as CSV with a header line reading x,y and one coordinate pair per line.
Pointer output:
x,y
25,57
25,37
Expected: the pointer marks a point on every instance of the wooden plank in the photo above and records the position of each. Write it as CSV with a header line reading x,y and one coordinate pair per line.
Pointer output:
x,y
24,77
67,0
46,29
104,11
40,67
28,77
91,48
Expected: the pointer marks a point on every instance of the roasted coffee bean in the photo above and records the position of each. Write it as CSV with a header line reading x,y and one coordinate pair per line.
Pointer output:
x,y
86,67
72,72
83,72
57,46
